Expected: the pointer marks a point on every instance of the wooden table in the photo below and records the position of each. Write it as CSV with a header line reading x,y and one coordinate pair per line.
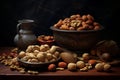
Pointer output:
x,y
7,74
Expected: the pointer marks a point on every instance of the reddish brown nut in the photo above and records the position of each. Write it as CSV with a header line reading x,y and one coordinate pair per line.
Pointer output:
x,y
90,17
64,27
96,24
52,67
91,27
77,22
80,28
96,27
71,28
92,62
84,18
62,64
58,24
89,21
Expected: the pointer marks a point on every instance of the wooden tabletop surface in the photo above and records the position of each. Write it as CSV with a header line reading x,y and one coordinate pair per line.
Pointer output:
x,y
6,73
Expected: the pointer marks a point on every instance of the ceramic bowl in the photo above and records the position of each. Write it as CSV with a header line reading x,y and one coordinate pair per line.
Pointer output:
x,y
75,40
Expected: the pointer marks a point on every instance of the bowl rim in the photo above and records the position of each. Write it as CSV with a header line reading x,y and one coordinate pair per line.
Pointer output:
x,y
37,63
56,29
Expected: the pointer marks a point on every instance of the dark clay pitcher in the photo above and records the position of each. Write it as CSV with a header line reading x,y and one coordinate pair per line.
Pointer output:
x,y
25,35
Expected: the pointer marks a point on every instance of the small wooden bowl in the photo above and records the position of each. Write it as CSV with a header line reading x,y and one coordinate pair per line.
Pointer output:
x,y
45,39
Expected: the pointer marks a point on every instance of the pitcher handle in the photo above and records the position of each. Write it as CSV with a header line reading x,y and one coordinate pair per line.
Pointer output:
x,y
18,28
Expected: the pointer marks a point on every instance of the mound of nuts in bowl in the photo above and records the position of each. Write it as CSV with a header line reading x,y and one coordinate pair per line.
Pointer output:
x,y
78,22
45,39
36,57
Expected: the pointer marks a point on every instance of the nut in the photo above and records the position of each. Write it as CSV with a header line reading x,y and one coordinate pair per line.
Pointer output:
x,y
85,56
62,64
107,67
92,62
99,66
68,57
106,57
80,64
77,22
52,67
72,67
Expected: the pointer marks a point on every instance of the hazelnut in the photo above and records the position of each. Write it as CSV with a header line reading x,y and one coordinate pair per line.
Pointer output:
x,y
72,66
86,56
107,67
80,64
99,66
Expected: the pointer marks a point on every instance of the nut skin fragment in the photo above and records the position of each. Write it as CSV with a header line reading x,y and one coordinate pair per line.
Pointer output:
x,y
85,69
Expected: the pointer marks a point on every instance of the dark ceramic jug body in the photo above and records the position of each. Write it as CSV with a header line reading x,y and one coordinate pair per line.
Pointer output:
x,y
25,35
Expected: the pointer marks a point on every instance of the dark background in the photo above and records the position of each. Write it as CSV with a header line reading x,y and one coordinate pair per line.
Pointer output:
x,y
48,12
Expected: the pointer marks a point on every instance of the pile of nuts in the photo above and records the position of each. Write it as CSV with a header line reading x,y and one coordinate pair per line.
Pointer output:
x,y
45,39
83,64
78,22
35,53
39,54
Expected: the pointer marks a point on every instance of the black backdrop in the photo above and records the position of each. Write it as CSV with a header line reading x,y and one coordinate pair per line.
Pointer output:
x,y
47,12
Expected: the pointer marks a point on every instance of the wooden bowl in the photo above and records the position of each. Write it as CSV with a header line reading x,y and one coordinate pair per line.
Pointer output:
x,y
45,39
36,65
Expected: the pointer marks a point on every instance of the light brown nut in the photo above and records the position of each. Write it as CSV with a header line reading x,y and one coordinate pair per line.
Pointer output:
x,y
68,57
80,64
99,66
107,67
72,67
